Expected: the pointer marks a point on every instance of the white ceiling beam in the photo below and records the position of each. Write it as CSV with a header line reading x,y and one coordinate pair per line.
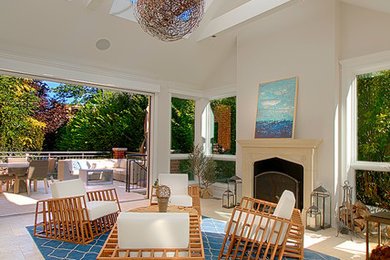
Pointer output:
x,y
123,9
87,2
239,15
92,4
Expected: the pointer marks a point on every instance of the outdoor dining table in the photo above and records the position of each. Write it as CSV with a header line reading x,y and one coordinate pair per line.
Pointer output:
x,y
18,170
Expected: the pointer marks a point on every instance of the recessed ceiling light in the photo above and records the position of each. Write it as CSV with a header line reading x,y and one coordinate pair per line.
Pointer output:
x,y
103,44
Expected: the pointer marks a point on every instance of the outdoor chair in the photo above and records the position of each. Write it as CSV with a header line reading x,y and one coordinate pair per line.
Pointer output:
x,y
74,215
38,170
5,179
263,230
182,194
52,168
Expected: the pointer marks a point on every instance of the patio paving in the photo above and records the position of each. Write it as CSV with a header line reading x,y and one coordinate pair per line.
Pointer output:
x,y
14,204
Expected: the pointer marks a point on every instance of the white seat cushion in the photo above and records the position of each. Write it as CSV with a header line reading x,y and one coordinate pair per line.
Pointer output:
x,y
69,188
98,209
153,230
180,200
178,183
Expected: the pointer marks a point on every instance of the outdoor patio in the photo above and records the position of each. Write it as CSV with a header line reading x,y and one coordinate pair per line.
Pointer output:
x,y
17,212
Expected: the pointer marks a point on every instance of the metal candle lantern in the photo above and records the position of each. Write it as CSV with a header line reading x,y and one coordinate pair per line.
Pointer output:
x,y
237,183
313,219
228,199
320,198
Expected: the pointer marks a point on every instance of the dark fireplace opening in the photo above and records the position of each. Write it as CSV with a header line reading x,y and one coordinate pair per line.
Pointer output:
x,y
273,176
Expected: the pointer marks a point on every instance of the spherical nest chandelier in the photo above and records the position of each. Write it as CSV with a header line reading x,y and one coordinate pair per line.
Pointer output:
x,y
169,20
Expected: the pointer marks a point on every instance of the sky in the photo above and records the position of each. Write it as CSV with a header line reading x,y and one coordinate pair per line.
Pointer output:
x,y
50,93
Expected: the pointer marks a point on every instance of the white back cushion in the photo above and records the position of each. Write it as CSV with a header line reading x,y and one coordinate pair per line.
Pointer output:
x,y
69,188
284,209
153,230
178,183
285,206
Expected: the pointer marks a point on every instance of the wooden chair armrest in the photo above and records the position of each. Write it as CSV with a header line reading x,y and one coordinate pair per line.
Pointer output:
x,y
153,195
103,195
257,205
193,191
80,198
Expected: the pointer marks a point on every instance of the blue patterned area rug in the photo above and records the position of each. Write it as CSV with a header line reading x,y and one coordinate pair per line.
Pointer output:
x,y
212,233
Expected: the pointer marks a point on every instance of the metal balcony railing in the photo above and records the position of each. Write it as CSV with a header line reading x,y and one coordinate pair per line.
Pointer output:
x,y
60,155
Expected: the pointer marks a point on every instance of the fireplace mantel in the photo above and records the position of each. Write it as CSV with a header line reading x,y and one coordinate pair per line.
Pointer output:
x,y
300,151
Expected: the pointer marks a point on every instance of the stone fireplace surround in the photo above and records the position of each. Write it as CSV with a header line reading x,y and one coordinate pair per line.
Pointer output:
x,y
300,151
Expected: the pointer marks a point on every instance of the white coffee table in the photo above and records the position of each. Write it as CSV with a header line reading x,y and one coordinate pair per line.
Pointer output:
x,y
96,176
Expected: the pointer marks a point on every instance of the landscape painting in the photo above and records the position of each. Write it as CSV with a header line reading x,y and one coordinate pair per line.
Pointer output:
x,y
276,109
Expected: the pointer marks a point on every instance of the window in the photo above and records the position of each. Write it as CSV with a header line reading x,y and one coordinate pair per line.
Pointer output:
x,y
182,125
219,133
373,117
373,138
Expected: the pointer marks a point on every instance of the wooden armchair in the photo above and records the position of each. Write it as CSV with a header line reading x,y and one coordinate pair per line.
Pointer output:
x,y
74,215
262,230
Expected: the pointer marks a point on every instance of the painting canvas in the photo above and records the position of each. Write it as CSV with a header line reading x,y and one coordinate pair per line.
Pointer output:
x,y
276,109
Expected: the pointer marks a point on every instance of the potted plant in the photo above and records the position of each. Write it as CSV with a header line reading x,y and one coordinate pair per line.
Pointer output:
x,y
203,168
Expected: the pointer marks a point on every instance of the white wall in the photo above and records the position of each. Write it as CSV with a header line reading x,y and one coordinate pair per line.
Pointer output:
x,y
363,31
304,47
307,40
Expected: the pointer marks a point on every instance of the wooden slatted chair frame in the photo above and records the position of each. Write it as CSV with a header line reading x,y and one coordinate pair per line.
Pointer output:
x,y
67,219
246,238
195,250
193,191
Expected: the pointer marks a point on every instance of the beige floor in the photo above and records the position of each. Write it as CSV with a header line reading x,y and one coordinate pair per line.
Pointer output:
x,y
16,243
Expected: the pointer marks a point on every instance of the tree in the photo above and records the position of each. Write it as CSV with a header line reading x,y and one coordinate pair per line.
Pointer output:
x,y
75,95
182,125
19,130
202,167
49,111
374,117
107,120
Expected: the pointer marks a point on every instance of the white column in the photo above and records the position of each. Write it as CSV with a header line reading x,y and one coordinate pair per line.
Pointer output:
x,y
200,105
161,119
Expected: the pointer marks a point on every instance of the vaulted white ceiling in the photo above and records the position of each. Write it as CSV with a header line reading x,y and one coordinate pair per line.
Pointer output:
x,y
67,31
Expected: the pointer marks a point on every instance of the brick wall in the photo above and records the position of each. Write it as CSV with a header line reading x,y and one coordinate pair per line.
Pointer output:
x,y
175,166
222,116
